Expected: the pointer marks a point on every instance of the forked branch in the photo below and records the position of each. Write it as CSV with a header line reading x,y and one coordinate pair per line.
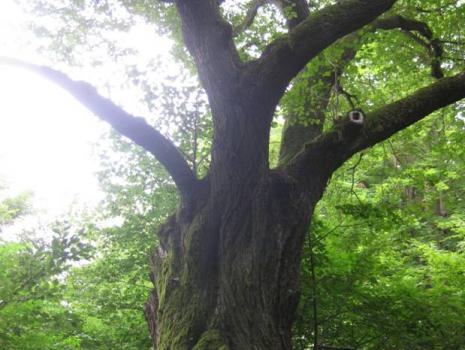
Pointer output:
x,y
332,148
420,31
134,128
284,58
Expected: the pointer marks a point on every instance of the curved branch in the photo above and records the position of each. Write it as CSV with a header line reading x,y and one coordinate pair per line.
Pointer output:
x,y
285,57
134,128
389,119
297,135
408,25
331,149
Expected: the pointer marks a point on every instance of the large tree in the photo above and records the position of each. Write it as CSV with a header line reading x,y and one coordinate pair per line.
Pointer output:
x,y
226,273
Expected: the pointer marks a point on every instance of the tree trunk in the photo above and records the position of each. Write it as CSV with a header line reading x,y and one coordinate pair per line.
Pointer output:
x,y
226,272
227,277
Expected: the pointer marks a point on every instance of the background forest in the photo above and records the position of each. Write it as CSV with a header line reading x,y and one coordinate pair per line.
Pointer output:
x,y
384,261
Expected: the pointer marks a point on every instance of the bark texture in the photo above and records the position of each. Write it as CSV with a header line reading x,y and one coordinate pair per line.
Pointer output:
x,y
227,277
226,273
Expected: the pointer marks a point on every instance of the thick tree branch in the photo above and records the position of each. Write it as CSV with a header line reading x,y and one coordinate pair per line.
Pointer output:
x,y
388,120
297,135
209,39
331,149
134,128
404,23
283,59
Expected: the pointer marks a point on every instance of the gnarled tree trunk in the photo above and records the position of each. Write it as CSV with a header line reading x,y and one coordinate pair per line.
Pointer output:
x,y
226,273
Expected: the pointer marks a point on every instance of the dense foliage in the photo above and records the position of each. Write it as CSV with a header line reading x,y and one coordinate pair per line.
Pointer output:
x,y
387,247
384,261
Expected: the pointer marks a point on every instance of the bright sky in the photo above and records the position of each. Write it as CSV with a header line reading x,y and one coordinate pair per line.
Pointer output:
x,y
46,142
46,137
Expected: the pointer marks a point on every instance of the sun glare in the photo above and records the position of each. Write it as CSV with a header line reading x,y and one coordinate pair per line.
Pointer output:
x,y
46,142
46,137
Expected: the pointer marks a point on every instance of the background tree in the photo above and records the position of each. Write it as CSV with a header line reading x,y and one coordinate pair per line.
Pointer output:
x,y
226,273
13,207
375,265
32,312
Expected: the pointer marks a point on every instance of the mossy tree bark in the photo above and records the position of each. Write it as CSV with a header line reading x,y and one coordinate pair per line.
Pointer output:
x,y
226,273
227,270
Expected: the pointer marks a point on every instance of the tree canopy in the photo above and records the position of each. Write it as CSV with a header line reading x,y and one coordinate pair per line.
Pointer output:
x,y
299,93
